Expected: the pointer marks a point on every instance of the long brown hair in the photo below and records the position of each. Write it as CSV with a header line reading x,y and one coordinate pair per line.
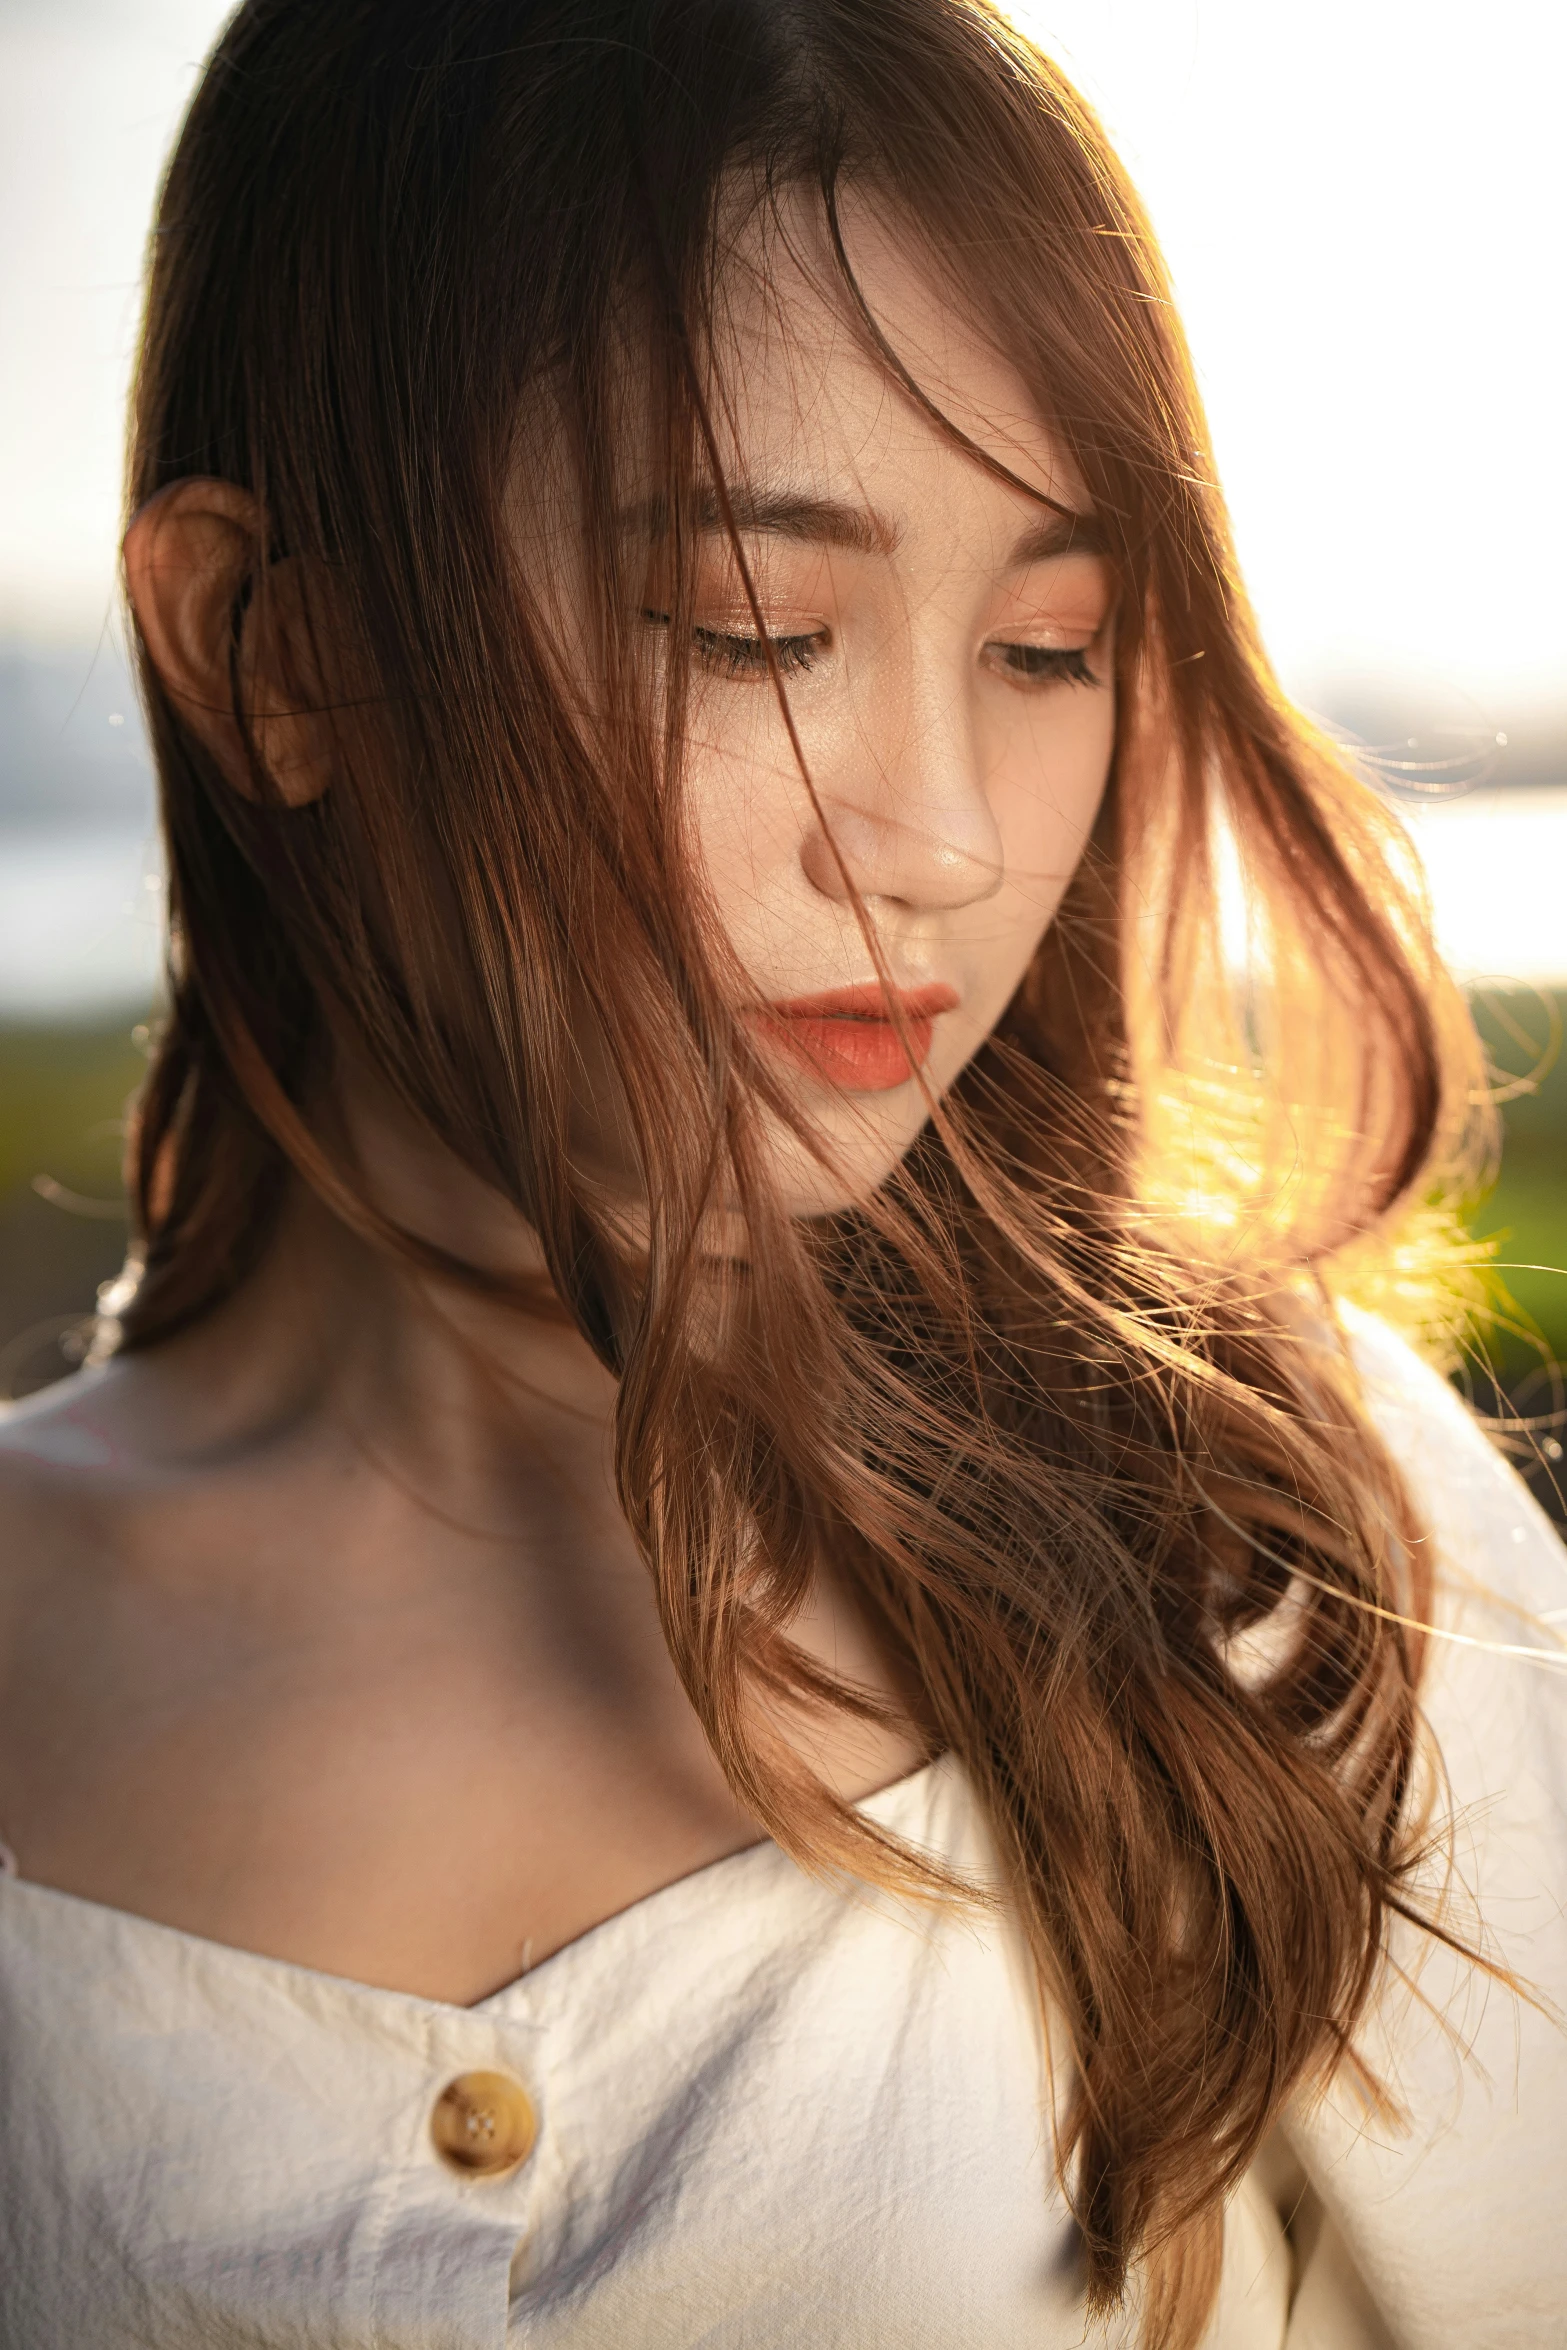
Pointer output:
x,y
1059,1402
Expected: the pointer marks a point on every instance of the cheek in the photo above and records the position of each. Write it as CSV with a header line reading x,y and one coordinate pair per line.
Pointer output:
x,y
744,805
1050,763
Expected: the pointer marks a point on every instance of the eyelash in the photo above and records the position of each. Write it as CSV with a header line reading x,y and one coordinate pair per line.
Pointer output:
x,y
746,656
1044,664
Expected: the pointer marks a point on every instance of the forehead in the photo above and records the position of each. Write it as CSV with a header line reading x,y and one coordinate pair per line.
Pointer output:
x,y
804,395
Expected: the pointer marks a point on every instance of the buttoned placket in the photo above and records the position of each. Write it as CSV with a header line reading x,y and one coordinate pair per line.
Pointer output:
x,y
476,2182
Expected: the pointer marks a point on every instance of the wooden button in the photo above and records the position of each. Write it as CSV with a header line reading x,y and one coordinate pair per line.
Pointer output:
x,y
484,2125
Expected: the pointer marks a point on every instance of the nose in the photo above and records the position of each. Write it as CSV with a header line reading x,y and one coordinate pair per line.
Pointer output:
x,y
915,829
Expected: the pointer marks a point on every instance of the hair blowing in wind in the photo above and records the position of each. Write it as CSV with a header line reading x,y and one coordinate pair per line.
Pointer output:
x,y
1059,1401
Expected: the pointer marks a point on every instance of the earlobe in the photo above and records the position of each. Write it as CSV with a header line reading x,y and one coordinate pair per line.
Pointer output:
x,y
190,554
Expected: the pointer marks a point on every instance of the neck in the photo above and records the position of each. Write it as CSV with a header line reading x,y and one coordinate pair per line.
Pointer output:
x,y
333,1329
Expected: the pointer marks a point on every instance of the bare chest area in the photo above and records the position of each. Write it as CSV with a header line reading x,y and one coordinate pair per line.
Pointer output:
x,y
404,1752
424,1771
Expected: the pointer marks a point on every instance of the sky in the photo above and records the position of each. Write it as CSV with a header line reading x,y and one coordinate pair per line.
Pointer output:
x,y
1362,202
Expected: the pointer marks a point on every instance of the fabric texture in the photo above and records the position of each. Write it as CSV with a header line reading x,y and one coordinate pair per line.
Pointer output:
x,y
774,2113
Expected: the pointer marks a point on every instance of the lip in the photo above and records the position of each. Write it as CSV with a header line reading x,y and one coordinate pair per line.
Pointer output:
x,y
846,1035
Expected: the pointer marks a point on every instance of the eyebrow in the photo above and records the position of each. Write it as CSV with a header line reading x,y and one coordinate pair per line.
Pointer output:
x,y
1064,531
830,522
798,515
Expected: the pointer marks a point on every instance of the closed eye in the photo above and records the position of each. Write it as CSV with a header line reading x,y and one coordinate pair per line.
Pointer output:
x,y
1045,664
746,656
735,655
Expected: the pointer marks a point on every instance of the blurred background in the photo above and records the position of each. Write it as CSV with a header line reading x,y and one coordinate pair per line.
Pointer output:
x,y
1362,203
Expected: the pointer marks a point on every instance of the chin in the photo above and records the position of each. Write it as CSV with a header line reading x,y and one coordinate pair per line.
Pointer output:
x,y
863,1139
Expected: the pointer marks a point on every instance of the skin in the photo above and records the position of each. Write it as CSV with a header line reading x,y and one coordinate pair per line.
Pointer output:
x,y
320,1632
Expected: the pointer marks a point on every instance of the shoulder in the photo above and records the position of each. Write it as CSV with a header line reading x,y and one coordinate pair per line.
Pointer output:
x,y
50,1439
1495,1548
1494,1682
1493,1689
1447,2190
62,1464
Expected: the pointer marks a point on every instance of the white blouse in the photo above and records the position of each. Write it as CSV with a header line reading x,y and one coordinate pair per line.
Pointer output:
x,y
753,2112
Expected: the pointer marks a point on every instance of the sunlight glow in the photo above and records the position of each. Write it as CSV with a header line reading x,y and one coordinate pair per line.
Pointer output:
x,y
1362,206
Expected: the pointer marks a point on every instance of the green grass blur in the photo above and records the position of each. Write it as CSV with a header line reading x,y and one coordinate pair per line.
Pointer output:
x,y
1525,1216
62,1095
63,1091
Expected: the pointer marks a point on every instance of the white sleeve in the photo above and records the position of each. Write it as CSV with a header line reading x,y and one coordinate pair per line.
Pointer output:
x,y
1458,2223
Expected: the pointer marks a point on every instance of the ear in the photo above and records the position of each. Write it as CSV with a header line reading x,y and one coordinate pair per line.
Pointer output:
x,y
190,554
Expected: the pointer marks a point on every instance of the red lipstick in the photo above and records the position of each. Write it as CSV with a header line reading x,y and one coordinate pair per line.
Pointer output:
x,y
847,1035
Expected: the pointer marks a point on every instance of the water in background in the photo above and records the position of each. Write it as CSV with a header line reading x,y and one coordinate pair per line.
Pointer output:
x,y
81,951
80,912
80,917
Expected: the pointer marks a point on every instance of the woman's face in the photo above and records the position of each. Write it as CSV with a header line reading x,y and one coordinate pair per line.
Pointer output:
x,y
945,644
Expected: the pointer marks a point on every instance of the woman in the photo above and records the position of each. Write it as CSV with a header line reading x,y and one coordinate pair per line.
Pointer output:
x,y
725,1647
